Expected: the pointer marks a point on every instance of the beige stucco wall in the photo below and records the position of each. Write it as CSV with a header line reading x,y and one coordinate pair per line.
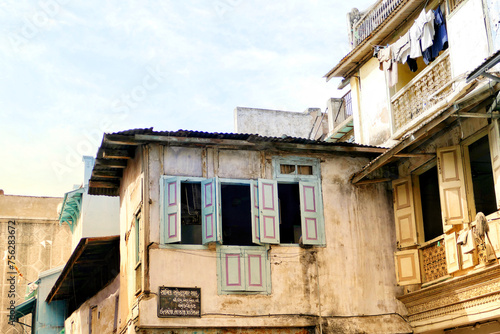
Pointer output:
x,y
35,222
356,268
105,301
374,115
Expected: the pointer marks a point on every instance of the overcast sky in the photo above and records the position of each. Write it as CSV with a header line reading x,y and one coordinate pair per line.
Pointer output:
x,y
72,70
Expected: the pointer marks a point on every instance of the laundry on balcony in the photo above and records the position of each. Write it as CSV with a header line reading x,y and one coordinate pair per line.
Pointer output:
x,y
388,65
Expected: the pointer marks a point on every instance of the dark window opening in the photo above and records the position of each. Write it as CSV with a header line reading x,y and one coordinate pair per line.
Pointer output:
x,y
191,214
236,215
482,176
289,199
431,205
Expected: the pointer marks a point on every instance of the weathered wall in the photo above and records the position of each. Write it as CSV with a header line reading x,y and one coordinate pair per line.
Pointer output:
x,y
276,123
36,224
105,301
352,276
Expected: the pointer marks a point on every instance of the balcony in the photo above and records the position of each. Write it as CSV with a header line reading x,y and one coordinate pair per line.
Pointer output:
x,y
340,119
372,19
424,91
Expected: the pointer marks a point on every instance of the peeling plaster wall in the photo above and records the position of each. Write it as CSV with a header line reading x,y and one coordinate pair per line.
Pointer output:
x,y
356,268
36,221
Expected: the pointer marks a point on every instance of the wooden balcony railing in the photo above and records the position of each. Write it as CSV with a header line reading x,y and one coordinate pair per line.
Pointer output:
x,y
422,92
371,20
433,257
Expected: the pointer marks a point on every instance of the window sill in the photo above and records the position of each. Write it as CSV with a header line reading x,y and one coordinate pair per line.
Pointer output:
x,y
182,246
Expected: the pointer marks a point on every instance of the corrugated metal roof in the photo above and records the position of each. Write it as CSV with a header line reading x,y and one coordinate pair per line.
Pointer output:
x,y
93,264
118,147
488,63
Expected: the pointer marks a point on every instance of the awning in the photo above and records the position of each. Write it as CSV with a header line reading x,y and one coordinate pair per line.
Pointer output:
x,y
71,207
94,263
486,66
25,308
426,129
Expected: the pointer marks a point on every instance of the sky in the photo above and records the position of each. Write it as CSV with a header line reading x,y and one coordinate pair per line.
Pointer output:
x,y
74,70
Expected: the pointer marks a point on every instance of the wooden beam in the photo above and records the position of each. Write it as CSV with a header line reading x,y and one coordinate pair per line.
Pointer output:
x,y
120,140
107,174
414,155
477,115
111,163
116,154
371,181
103,184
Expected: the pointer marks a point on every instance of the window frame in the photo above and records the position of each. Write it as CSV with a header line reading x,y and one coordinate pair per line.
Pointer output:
x,y
187,179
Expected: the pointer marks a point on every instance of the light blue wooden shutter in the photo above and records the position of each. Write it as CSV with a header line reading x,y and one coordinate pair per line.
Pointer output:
x,y
254,195
210,211
232,262
256,270
311,212
269,212
171,211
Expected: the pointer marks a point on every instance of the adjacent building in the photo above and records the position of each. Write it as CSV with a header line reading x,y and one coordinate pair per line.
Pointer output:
x,y
424,82
33,242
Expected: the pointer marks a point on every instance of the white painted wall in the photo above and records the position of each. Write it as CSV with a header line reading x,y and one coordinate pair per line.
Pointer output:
x,y
467,37
99,217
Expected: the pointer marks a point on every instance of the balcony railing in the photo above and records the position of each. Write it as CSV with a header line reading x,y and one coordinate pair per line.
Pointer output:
x,y
372,19
422,92
433,261
345,111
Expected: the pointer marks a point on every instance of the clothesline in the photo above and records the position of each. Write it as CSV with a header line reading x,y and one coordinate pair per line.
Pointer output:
x,y
426,38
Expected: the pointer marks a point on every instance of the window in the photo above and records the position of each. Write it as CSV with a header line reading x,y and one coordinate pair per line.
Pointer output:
x,y
468,181
241,212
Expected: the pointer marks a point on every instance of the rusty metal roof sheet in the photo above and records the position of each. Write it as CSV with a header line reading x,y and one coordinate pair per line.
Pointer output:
x,y
118,147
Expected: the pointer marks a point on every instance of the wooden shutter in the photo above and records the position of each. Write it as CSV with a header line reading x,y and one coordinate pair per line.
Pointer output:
x,y
269,212
452,190
407,267
256,269
232,261
254,195
171,211
452,259
404,212
494,235
494,140
311,214
244,268
210,220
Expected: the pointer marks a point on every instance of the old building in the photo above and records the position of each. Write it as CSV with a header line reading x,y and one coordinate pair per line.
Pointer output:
x,y
424,82
238,232
31,240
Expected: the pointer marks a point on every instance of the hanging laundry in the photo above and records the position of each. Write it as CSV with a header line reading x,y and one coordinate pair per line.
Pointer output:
x,y
412,64
421,33
401,48
441,35
388,65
